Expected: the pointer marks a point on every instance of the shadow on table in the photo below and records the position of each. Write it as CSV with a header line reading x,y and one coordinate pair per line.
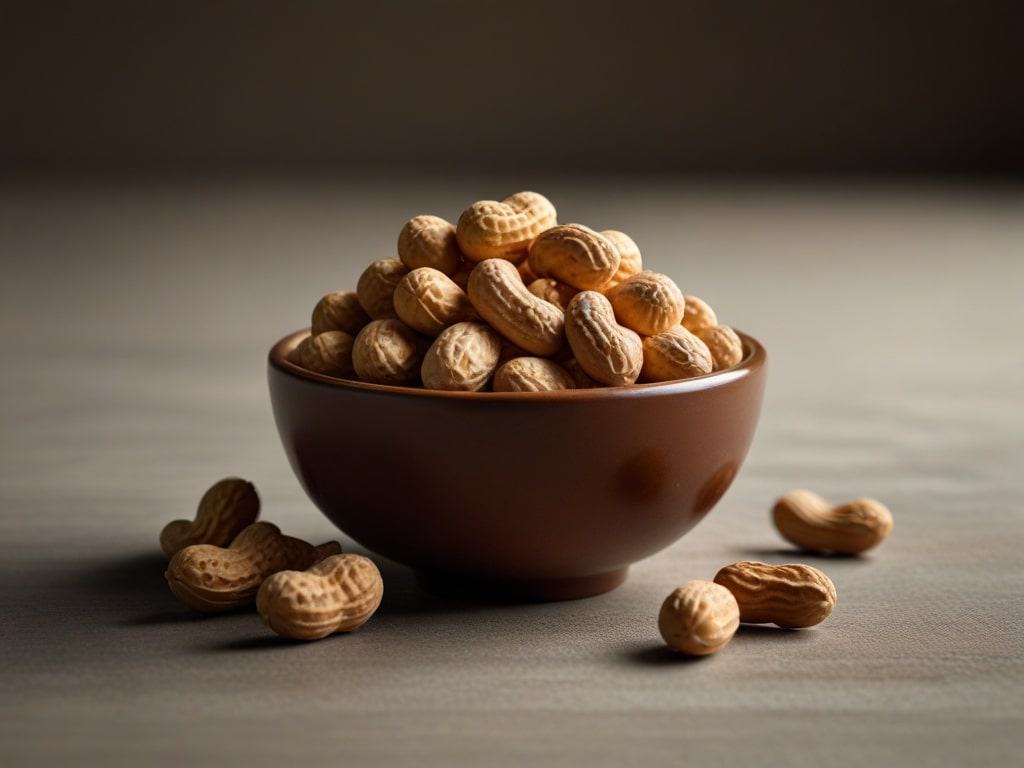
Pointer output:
x,y
133,592
763,633
796,552
406,593
404,599
134,584
657,654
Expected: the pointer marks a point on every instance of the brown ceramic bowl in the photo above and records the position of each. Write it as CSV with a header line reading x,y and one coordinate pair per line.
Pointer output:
x,y
549,495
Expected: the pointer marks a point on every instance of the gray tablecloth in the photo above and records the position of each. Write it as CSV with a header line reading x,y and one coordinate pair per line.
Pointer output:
x,y
135,321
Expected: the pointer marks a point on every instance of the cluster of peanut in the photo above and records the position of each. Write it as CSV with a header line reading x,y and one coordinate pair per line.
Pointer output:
x,y
224,560
511,300
701,617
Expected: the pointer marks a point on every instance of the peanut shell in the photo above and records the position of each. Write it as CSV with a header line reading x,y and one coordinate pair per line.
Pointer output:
x,y
387,352
606,351
500,298
428,301
791,596
492,230
463,357
376,287
531,374
429,241
575,255
647,302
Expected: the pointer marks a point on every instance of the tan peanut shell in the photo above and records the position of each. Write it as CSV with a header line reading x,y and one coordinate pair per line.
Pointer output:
x,y
226,509
329,353
630,261
532,374
339,311
809,521
607,352
492,230
647,302
429,241
699,618
211,579
575,255
386,352
791,596
675,354
376,287
500,298
552,291
725,346
698,315
462,358
338,594
429,301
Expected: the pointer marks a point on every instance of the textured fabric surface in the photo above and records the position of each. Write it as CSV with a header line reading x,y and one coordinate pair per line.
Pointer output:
x,y
135,321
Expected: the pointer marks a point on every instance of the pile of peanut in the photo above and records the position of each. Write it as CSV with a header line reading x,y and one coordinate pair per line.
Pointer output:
x,y
225,559
510,300
701,617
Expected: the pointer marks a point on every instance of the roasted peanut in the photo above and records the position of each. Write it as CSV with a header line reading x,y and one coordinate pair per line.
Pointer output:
x,y
428,301
210,578
809,521
607,352
725,346
339,311
699,618
630,261
552,291
386,352
531,374
575,255
429,241
698,315
463,357
489,229
791,596
648,303
444,277
675,354
376,287
500,298
338,594
329,353
226,509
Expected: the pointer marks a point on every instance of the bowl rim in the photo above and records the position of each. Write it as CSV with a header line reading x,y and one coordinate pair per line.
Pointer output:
x,y
754,359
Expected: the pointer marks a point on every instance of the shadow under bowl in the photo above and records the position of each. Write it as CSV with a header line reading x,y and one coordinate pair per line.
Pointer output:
x,y
535,495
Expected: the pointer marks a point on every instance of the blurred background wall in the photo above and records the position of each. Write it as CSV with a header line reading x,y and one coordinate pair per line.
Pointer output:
x,y
736,87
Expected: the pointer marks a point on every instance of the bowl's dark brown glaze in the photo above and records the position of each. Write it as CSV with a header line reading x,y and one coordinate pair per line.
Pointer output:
x,y
550,494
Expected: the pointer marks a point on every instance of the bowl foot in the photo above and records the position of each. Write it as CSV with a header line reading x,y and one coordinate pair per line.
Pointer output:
x,y
520,591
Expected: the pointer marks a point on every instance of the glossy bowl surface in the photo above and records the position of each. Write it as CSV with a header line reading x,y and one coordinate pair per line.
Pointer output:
x,y
541,495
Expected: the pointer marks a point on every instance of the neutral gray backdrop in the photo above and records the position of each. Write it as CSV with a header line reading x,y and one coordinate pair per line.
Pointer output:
x,y
135,319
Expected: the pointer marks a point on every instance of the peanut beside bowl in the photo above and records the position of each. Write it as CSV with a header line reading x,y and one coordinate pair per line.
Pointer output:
x,y
541,495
